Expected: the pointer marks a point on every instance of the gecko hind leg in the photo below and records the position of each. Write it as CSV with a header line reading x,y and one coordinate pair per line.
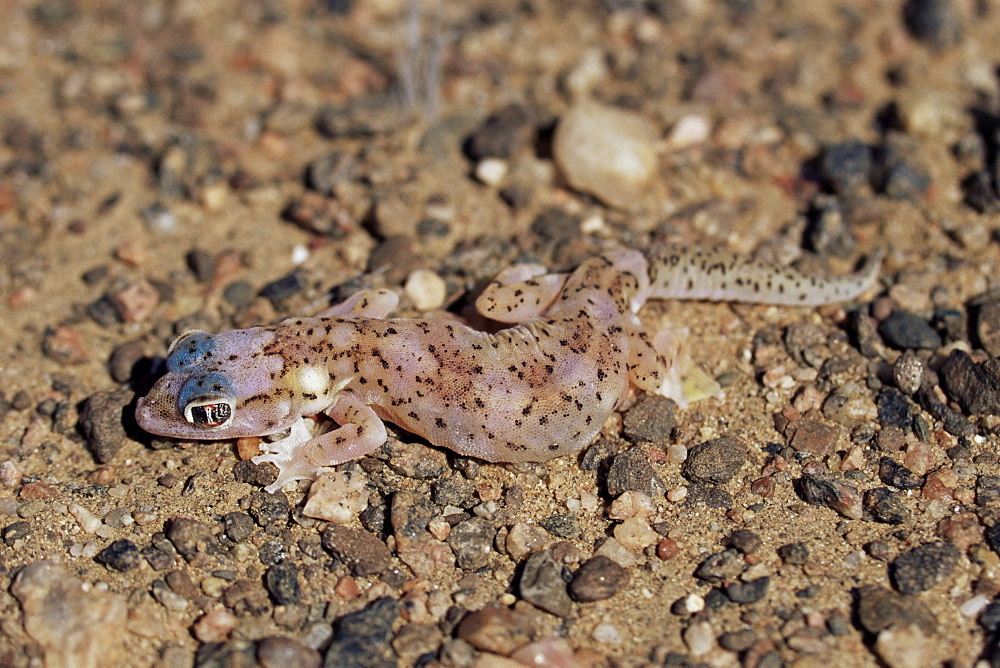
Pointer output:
x,y
519,293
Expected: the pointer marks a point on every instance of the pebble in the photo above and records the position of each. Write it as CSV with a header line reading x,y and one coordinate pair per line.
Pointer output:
x,y
832,493
896,475
904,646
894,409
631,471
879,608
988,325
908,373
214,626
635,534
709,496
744,540
281,652
976,387
689,130
191,538
563,526
606,151
337,496
496,629
363,553
14,532
101,422
597,579
426,290
748,592
547,651
795,554
699,638
278,290
721,566
885,506
259,475
238,526
244,597
492,171
65,345
631,504
738,641
541,584
503,134
136,301
122,556
922,567
282,581
73,623
667,549
472,542
935,22
651,419
715,462
903,330
363,637
523,539
847,166
813,437
987,490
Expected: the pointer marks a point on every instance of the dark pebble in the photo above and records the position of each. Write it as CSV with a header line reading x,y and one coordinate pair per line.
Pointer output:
x,y
21,400
202,264
409,515
271,552
989,618
935,22
904,330
101,422
813,437
847,166
630,470
503,134
894,409
15,531
238,526
598,578
246,597
472,543
721,566
794,553
157,559
651,419
269,509
988,490
554,224
599,454
924,566
880,608
454,490
255,474
716,461
563,526
976,387
896,475
886,506
324,174
832,493
231,653
282,580
993,537
95,275
190,537
283,288
360,551
103,313
748,592
980,193
744,540
988,325
542,585
123,360
281,652
65,345
363,637
396,257
878,550
238,293
180,582
122,555
906,181
709,496
738,641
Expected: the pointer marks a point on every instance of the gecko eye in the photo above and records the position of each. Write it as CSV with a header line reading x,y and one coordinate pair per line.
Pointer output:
x,y
209,412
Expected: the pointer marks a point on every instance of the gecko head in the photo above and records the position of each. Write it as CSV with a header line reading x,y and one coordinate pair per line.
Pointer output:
x,y
217,388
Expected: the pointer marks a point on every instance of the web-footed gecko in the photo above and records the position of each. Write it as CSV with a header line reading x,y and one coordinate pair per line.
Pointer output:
x,y
536,390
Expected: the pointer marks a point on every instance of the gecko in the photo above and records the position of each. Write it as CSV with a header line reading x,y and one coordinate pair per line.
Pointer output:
x,y
540,388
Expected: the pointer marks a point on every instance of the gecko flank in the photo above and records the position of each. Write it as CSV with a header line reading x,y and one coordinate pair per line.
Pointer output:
x,y
536,390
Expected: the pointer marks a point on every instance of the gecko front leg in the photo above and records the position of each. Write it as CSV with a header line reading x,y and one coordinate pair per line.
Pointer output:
x,y
301,456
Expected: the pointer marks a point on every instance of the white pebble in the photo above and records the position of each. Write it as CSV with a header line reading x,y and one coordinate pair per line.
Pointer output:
x,y
688,131
425,289
699,638
677,494
692,604
606,152
491,171
974,605
86,519
337,496
635,534
299,254
590,71
606,633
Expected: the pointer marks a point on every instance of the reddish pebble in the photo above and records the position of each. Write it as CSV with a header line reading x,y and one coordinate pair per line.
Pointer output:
x,y
10,474
247,447
347,587
136,301
961,530
132,252
214,626
37,490
667,549
22,297
104,476
763,487
65,345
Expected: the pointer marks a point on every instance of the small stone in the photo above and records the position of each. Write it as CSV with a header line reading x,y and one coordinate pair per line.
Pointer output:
x,y
908,373
847,166
651,419
492,171
880,608
814,437
453,490
269,509
523,539
503,134
699,638
936,22
363,637
136,301
280,652
832,493
124,359
894,409
975,386
563,526
961,530
635,534
214,626
260,475
122,556
190,537
904,330
738,641
896,475
689,130
597,579
721,566
547,651
283,583
283,288
709,496
419,462
607,633
667,549
65,345
337,496
922,567
426,290
906,181
744,540
238,526
988,325
904,646
360,551
796,554
472,542
396,257
715,462
631,470
631,504
605,151
987,490
748,592
542,585
101,422
688,605
495,629
16,531
885,506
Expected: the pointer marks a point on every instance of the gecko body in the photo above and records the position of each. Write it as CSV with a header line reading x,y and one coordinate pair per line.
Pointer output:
x,y
541,388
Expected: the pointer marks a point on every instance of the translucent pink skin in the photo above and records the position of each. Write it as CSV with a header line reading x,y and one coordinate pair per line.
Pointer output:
x,y
537,390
